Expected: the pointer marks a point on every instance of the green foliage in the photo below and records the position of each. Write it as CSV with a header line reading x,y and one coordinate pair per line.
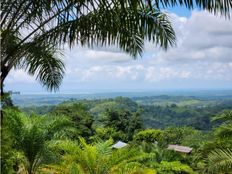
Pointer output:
x,y
123,120
158,111
175,135
158,117
220,160
215,155
98,158
107,133
226,117
31,135
196,138
7,152
49,144
98,107
173,167
79,115
225,129
40,110
6,100
148,135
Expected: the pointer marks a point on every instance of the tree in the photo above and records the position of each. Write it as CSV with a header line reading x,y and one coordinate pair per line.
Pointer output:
x,y
107,133
81,118
34,28
123,121
148,135
31,136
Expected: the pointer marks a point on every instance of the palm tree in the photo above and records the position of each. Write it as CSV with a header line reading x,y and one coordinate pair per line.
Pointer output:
x,y
38,27
32,28
99,158
42,59
31,136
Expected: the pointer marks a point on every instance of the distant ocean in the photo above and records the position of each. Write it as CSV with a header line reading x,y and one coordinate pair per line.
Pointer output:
x,y
53,99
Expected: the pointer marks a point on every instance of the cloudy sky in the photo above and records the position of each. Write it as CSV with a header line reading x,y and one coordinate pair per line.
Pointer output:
x,y
202,59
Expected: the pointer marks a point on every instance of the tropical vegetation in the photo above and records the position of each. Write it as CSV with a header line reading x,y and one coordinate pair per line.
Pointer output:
x,y
70,139
78,137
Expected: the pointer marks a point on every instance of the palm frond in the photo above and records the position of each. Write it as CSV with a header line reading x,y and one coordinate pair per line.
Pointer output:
x,y
58,127
124,27
97,158
222,7
32,135
44,61
220,160
224,131
226,116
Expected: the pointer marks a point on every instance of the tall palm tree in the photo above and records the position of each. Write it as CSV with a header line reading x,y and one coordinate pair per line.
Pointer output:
x,y
31,136
30,25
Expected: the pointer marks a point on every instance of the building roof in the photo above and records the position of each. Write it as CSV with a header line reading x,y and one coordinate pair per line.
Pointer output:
x,y
119,145
177,148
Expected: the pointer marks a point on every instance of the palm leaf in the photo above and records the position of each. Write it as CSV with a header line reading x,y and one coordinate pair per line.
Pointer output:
x,y
44,61
220,160
33,134
222,7
226,116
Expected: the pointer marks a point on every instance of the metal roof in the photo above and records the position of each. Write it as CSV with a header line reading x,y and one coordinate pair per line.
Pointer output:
x,y
178,148
119,145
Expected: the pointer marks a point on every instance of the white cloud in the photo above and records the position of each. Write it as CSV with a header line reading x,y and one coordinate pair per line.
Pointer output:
x,y
107,56
156,74
19,76
202,37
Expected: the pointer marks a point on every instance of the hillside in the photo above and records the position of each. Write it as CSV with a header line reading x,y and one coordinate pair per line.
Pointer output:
x,y
156,112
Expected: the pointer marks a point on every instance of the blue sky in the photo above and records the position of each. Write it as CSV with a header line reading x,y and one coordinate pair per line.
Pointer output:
x,y
202,59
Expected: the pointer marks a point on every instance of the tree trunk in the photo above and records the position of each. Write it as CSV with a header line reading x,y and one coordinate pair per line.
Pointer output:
x,y
4,73
2,95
